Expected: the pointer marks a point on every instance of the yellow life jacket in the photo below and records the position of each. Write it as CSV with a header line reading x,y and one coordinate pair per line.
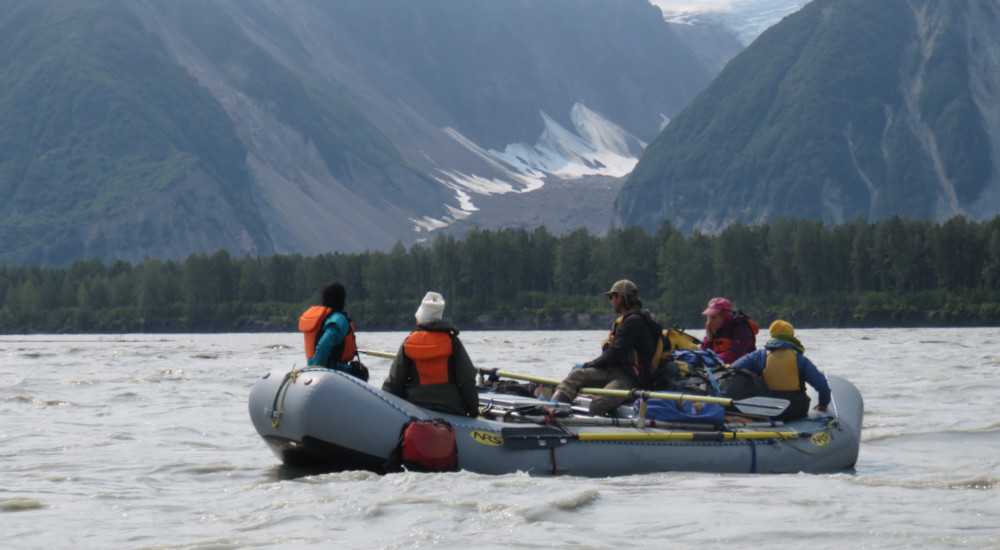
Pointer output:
x,y
782,370
430,351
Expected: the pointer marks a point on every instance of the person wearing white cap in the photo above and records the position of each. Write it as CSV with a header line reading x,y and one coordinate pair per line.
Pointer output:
x,y
627,356
432,368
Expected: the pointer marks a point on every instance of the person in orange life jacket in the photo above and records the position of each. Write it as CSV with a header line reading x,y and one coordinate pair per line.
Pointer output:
x,y
729,334
786,371
335,345
625,361
432,368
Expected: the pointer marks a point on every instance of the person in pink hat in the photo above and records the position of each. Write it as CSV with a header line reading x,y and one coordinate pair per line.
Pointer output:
x,y
730,334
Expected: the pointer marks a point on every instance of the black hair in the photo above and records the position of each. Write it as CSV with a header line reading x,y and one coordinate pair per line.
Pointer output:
x,y
334,296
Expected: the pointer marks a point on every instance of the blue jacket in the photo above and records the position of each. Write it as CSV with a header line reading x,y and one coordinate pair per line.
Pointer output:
x,y
756,361
335,329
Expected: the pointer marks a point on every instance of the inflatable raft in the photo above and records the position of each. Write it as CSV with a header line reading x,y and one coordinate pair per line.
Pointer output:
x,y
331,420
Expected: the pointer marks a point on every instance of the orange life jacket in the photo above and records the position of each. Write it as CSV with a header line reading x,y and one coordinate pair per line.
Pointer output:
x,y
721,343
430,351
311,324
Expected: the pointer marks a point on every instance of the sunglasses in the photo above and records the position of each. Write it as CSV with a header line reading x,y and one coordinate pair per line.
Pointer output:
x,y
613,295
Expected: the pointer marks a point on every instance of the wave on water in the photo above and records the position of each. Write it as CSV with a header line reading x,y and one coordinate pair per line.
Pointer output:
x,y
568,503
310,475
20,505
979,483
34,401
984,430
11,380
168,374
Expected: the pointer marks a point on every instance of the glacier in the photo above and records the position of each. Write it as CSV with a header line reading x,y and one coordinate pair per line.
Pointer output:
x,y
595,146
746,19
598,147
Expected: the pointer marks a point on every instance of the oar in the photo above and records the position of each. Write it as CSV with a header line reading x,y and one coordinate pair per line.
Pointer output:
x,y
612,422
635,423
549,437
756,406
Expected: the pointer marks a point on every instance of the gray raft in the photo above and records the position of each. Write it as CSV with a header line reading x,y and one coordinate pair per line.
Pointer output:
x,y
331,420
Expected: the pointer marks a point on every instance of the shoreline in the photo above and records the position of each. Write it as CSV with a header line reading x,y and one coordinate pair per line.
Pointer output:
x,y
572,321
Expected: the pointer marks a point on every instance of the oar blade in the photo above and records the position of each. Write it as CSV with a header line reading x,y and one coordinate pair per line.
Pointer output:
x,y
761,406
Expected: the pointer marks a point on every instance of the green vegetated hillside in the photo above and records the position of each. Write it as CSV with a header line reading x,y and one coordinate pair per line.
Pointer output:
x,y
161,128
112,150
327,119
95,119
845,109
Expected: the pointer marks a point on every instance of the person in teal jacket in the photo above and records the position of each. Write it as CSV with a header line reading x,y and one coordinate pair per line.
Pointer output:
x,y
335,345
787,371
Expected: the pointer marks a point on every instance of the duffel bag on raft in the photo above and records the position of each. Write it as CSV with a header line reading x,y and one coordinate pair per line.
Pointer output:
x,y
425,445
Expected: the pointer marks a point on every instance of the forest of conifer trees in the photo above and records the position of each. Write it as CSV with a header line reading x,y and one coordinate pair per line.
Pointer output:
x,y
896,272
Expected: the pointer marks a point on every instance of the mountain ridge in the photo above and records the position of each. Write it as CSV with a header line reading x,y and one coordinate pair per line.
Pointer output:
x,y
842,110
304,127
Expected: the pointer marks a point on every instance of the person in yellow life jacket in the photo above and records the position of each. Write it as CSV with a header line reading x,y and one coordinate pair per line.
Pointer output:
x,y
432,368
626,359
787,371
730,334
329,334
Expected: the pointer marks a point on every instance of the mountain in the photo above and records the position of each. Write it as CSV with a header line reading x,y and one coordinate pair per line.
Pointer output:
x,y
135,128
716,30
844,109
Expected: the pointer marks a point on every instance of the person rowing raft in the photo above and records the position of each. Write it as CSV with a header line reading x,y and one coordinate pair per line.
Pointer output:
x,y
626,356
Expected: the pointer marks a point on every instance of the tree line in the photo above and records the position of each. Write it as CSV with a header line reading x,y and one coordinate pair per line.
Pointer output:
x,y
894,272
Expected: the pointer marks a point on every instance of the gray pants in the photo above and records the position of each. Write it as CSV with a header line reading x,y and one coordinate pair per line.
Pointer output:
x,y
612,379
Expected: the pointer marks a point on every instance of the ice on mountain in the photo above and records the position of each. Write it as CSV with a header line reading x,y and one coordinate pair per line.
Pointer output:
x,y
597,147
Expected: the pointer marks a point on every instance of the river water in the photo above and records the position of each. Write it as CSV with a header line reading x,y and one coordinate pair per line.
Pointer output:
x,y
144,441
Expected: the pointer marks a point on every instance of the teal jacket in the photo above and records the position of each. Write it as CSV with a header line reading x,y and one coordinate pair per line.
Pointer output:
x,y
335,329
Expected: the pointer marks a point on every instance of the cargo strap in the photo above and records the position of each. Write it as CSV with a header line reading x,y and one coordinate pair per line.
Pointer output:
x,y
279,396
